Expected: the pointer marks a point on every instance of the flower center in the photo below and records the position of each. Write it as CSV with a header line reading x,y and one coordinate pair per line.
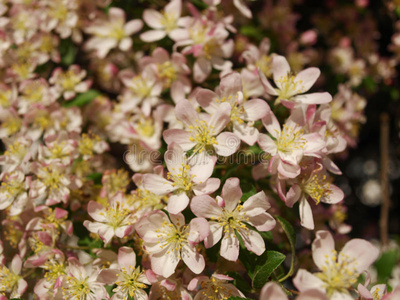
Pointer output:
x,y
54,270
290,139
11,187
167,72
318,187
116,214
183,180
78,288
128,281
289,87
214,290
172,235
8,280
338,277
168,21
203,135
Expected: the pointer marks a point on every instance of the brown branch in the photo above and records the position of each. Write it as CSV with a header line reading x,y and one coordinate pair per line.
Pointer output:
x,y
384,145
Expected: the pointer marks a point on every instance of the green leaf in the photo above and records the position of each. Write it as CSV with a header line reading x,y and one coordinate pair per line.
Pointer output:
x,y
82,99
265,265
251,31
96,177
291,235
246,195
240,282
385,264
67,52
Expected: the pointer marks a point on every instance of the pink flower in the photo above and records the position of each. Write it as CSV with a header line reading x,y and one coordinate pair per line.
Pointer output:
x,y
288,145
11,282
81,282
394,295
13,192
168,242
228,217
289,87
203,131
339,272
130,281
243,113
259,58
315,185
112,33
215,287
114,220
185,178
164,23
70,82
375,293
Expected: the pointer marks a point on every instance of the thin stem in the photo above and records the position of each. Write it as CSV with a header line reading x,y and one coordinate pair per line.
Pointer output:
x,y
384,141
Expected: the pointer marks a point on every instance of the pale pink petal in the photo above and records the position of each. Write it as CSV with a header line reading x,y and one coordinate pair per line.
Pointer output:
x,y
231,193
207,187
96,210
335,196
164,263
174,7
157,184
175,158
361,251
177,203
186,113
307,78
230,246
231,85
180,137
267,85
322,247
201,69
252,240
22,286
267,144
220,118
205,206
108,276
16,264
227,144
152,35
199,230
255,109
206,98
126,257
243,8
215,234
106,234
125,44
256,204
153,18
262,222
306,215
246,133
193,259
304,280
293,195
272,124
280,68
272,290
341,296
132,27
314,98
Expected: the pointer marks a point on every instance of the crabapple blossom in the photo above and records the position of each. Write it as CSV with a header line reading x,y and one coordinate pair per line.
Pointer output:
x,y
69,83
13,192
228,217
290,87
288,145
111,33
11,282
258,58
169,239
186,178
164,23
115,219
315,185
243,112
203,131
215,287
129,279
80,282
338,271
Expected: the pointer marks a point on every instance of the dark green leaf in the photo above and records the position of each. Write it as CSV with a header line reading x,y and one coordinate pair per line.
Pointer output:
x,y
291,235
385,264
246,195
96,177
82,99
67,52
265,265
